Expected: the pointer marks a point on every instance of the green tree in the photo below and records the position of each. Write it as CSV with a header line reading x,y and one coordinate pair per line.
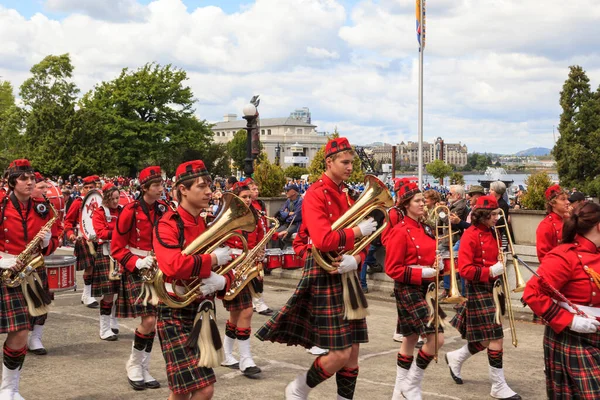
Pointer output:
x,y
317,165
438,169
576,150
236,148
10,125
270,179
534,198
295,172
456,178
48,107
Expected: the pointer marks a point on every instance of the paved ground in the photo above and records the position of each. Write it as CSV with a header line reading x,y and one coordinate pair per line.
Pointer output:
x,y
81,366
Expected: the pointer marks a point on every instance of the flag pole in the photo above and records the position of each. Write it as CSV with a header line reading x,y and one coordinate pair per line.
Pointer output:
x,y
421,4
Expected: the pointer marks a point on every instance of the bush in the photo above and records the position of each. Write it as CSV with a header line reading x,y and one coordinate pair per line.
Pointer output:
x,y
537,184
270,179
456,178
295,172
593,188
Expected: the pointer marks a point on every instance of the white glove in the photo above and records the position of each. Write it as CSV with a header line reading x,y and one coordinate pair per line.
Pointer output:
x,y
145,262
46,239
7,263
428,272
497,269
223,255
584,325
212,284
347,264
367,226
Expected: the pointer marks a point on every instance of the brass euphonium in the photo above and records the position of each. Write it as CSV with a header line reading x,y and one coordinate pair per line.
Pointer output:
x,y
30,257
519,281
252,266
234,215
375,197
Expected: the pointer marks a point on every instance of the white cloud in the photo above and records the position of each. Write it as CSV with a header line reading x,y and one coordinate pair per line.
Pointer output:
x,y
492,71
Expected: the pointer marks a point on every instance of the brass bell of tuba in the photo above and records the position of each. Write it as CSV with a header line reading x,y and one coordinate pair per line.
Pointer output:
x,y
234,215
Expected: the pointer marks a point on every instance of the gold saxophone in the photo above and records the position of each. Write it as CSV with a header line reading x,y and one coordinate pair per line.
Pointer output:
x,y
252,265
30,257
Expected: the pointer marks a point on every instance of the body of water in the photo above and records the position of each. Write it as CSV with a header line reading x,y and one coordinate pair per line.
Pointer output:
x,y
472,179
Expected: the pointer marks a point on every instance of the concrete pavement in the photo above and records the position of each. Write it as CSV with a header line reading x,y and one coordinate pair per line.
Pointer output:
x,y
81,366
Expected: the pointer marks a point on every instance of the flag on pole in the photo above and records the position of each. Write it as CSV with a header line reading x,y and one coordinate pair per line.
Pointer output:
x,y
421,34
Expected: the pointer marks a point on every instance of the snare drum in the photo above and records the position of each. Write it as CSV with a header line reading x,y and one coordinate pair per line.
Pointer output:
x,y
61,272
274,257
291,260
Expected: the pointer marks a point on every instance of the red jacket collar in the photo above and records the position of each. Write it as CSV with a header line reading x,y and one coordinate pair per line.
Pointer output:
x,y
411,223
187,217
329,182
555,215
585,244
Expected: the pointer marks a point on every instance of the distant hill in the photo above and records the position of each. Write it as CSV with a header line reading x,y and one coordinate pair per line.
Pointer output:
x,y
534,151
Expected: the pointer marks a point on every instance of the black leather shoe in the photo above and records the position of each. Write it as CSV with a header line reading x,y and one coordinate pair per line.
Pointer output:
x,y
232,366
152,384
137,385
515,397
250,371
93,305
38,352
115,331
456,379
268,311
111,338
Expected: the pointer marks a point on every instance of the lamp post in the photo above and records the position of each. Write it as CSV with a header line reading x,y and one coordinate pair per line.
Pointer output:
x,y
250,115
277,154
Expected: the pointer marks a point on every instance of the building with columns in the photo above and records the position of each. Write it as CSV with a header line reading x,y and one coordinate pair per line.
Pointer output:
x,y
297,140
408,153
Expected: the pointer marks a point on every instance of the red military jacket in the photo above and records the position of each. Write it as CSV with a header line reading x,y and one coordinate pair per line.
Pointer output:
x,y
563,268
252,238
170,240
395,218
72,217
21,222
548,234
102,226
478,251
324,203
409,243
135,228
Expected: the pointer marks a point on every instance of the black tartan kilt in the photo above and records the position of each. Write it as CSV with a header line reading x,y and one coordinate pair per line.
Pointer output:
x,y
43,274
572,363
413,312
475,318
14,315
83,254
129,290
314,315
240,302
101,285
183,373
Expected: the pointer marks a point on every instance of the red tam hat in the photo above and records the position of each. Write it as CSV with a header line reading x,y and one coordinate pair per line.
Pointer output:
x,y
399,182
248,182
18,167
38,177
190,170
241,185
337,145
407,189
108,186
486,203
552,192
89,180
150,174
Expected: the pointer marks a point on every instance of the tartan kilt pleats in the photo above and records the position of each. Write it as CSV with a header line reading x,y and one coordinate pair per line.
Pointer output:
x,y
413,312
183,373
84,256
128,305
572,363
14,315
240,302
101,285
314,315
475,318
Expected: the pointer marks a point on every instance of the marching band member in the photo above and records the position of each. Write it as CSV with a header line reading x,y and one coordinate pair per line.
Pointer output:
x,y
475,319
411,262
131,246
83,248
104,220
549,232
240,308
314,315
186,378
22,218
258,302
572,335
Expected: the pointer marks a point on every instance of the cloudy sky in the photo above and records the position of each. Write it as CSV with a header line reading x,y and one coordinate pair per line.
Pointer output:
x,y
493,68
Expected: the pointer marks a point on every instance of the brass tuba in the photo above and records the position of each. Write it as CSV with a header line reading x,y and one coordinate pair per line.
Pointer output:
x,y
375,197
234,215
252,266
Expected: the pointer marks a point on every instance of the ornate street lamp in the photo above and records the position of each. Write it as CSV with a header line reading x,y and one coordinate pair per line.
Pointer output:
x,y
251,116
